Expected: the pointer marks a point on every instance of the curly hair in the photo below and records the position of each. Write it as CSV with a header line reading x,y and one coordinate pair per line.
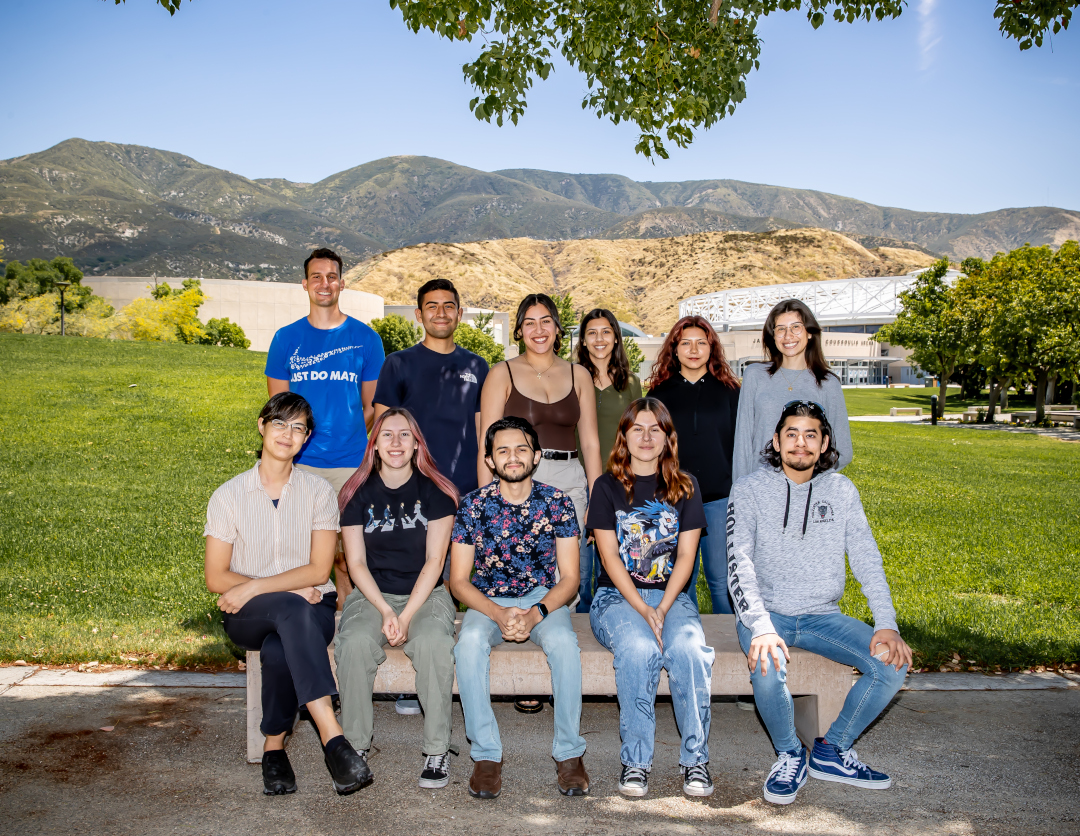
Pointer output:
x,y
422,460
667,361
807,409
673,482
618,363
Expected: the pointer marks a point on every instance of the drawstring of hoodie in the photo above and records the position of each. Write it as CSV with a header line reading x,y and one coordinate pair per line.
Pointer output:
x,y
806,510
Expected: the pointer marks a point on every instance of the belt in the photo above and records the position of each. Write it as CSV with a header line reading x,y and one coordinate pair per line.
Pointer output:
x,y
560,455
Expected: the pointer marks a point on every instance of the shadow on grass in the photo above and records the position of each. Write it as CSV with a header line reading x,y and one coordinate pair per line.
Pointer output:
x,y
934,647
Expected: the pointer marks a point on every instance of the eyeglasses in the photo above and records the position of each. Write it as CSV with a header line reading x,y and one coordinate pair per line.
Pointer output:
x,y
298,429
796,330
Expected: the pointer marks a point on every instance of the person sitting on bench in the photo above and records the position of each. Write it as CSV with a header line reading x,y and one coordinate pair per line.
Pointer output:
x,y
520,536
789,526
396,517
271,536
646,515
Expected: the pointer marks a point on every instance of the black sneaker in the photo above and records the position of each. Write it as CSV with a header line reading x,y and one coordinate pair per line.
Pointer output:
x,y
696,781
634,781
436,774
348,768
278,777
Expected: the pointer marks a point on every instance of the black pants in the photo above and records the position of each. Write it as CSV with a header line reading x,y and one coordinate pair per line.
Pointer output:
x,y
291,636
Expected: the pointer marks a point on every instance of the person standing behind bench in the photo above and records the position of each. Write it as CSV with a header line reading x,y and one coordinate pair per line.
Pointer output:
x,y
332,360
515,532
397,511
790,524
647,517
602,354
271,533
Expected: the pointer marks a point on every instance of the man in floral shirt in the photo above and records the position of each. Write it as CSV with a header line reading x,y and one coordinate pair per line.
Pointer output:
x,y
515,533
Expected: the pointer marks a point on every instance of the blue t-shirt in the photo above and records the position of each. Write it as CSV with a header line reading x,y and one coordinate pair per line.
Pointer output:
x,y
515,544
442,391
327,368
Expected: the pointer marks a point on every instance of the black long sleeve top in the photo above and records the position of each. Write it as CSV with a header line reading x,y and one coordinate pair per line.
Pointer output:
x,y
704,414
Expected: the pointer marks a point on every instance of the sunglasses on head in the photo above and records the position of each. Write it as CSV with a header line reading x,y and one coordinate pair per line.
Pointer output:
x,y
811,404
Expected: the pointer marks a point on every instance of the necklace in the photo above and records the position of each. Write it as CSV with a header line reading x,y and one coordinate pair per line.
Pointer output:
x,y
549,365
787,380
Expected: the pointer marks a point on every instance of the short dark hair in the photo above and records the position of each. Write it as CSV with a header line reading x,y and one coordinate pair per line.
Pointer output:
x,y
323,252
287,406
807,409
436,284
510,422
547,302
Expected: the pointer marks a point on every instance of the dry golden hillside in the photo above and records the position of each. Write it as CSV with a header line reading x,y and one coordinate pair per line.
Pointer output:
x,y
642,280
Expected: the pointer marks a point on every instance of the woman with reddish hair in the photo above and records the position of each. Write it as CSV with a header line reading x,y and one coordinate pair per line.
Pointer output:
x,y
647,516
397,512
691,377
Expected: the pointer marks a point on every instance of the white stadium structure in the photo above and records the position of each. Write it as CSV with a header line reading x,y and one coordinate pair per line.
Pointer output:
x,y
848,310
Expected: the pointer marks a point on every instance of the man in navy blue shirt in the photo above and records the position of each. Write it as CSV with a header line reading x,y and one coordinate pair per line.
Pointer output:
x,y
332,360
439,382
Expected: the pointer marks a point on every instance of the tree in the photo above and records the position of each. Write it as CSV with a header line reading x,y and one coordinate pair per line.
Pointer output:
x,y
932,326
670,68
564,303
397,332
38,276
479,342
225,333
483,322
634,354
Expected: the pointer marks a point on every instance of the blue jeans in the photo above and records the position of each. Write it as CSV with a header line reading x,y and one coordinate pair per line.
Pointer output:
x,y
713,555
638,660
555,634
838,637
590,571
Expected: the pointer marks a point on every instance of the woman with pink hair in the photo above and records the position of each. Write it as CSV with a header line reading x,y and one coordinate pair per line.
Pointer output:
x,y
397,512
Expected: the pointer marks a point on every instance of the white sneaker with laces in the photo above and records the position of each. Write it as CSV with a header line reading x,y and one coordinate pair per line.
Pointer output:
x,y
436,774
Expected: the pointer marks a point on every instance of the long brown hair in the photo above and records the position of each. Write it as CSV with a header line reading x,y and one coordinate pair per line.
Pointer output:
x,y
667,361
814,353
547,302
673,483
372,462
618,363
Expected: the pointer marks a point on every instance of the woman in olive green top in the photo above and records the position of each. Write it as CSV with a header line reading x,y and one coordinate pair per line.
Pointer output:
x,y
602,354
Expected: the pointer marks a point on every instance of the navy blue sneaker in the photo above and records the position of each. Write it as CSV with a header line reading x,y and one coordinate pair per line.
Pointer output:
x,y
786,777
828,763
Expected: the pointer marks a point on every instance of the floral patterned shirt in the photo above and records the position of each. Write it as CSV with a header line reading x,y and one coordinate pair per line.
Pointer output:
x,y
515,544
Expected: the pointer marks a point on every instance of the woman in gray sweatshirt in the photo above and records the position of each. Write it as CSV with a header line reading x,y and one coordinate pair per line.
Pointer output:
x,y
797,371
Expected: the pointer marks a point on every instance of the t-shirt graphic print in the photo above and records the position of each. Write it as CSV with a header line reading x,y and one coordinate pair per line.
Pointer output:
x,y
647,539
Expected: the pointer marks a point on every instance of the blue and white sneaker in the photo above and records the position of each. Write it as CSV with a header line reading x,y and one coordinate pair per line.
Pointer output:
x,y
828,763
786,777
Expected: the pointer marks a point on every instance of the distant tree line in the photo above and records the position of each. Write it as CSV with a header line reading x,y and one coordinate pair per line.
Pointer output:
x,y
1011,321
30,304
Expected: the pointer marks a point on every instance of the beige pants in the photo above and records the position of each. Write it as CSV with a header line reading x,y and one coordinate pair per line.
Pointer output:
x,y
337,477
569,477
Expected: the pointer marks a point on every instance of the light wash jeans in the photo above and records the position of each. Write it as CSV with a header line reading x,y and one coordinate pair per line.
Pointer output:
x,y
638,660
838,637
712,554
555,634
590,571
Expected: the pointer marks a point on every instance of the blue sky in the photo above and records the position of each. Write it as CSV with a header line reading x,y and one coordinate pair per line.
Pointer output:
x,y
934,111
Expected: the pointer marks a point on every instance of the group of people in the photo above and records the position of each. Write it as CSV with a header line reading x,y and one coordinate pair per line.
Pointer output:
x,y
424,480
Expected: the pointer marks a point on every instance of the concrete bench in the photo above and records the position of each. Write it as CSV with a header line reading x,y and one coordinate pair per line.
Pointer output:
x,y
1053,415
818,685
905,410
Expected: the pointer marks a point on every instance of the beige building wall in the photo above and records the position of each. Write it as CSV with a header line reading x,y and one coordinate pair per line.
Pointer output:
x,y
260,308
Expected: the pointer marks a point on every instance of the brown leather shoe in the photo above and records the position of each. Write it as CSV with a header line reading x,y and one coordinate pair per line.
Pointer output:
x,y
572,777
486,780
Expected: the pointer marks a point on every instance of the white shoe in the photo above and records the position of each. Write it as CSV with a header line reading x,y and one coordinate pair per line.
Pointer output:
x,y
405,705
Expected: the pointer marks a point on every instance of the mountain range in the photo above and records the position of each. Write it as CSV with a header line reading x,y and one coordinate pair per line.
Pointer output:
x,y
131,210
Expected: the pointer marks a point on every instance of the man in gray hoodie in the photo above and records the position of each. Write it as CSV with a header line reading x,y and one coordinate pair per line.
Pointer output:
x,y
789,526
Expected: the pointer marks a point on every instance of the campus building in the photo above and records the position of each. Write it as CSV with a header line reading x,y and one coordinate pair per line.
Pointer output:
x,y
849,311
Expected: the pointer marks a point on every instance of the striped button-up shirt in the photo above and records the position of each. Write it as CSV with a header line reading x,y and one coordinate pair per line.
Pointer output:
x,y
266,540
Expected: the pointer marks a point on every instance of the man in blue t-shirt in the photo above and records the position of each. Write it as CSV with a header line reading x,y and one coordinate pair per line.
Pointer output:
x,y
439,383
332,360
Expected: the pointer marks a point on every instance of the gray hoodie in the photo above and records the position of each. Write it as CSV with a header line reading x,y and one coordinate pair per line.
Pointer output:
x,y
786,546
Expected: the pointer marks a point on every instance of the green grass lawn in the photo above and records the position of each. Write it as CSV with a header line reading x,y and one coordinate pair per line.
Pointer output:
x,y
104,489
879,401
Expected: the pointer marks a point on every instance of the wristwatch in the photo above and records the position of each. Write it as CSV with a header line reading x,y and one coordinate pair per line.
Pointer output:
x,y
543,610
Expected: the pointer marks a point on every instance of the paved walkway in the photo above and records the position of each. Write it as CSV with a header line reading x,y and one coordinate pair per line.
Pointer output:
x,y
169,759
1060,433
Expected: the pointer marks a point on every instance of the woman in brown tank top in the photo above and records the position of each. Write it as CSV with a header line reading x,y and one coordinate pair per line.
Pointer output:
x,y
556,397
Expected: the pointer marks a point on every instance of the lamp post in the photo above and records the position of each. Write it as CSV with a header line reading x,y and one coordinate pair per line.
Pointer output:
x,y
62,286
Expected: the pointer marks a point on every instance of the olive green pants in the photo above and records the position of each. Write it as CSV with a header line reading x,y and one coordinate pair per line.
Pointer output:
x,y
358,652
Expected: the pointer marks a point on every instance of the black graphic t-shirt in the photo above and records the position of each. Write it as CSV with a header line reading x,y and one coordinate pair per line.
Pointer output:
x,y
395,525
647,529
